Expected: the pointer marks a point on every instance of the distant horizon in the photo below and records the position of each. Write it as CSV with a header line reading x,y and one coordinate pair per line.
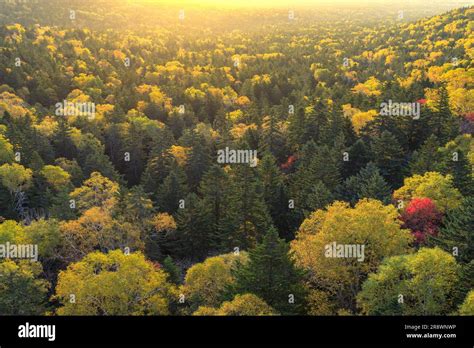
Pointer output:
x,y
301,3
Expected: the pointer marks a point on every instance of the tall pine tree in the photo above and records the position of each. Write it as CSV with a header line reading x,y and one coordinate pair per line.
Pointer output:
x,y
426,158
215,190
368,183
389,158
248,208
192,231
172,190
275,194
271,274
457,234
442,122
459,167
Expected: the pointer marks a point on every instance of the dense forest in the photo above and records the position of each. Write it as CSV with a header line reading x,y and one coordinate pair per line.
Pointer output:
x,y
164,161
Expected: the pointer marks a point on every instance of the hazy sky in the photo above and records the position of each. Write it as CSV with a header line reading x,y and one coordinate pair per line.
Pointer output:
x,y
292,3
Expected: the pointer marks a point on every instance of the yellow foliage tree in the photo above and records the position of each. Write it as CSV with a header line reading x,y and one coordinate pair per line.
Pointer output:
x,y
96,229
241,305
15,177
113,284
467,308
206,282
97,191
432,185
369,225
56,176
360,119
370,88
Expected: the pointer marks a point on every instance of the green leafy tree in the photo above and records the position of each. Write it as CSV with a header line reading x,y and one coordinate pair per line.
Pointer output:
x,y
56,176
13,232
414,284
467,308
6,150
22,291
45,234
15,177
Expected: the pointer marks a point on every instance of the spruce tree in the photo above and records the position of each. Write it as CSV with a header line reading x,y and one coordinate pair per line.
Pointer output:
x,y
174,272
62,142
296,130
198,161
272,139
442,122
426,158
215,190
192,231
319,163
248,208
271,274
134,143
466,282
274,192
316,120
388,157
157,169
368,183
172,190
318,197
338,126
457,235
134,206
460,169
359,156
316,177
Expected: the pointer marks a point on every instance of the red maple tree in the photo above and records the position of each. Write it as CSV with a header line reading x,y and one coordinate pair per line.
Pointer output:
x,y
289,163
422,217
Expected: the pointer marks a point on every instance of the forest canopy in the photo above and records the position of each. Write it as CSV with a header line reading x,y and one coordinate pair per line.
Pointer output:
x,y
316,160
